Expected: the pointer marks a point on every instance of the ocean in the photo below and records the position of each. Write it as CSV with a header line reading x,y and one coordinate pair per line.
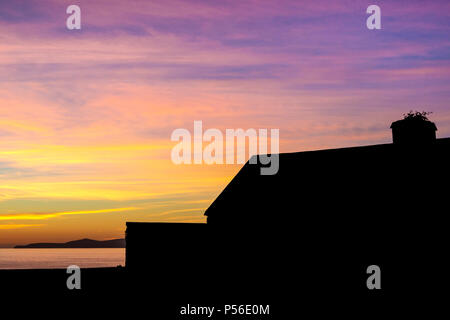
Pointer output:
x,y
61,258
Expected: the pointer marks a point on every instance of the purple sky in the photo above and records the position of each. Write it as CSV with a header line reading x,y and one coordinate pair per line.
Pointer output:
x,y
78,107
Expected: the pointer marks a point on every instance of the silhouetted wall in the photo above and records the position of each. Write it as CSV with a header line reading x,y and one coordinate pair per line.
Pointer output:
x,y
162,246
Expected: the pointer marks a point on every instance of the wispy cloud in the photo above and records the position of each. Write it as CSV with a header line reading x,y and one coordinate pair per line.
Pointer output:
x,y
41,216
18,226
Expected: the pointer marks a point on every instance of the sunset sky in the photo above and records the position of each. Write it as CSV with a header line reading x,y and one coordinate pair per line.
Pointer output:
x,y
86,115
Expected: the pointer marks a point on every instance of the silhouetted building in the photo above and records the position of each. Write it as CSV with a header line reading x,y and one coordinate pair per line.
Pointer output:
x,y
323,209
413,131
152,245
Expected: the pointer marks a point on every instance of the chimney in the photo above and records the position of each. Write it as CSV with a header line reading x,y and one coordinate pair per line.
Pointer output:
x,y
413,131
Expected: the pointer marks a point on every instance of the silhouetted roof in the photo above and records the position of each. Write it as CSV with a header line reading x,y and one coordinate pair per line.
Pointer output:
x,y
326,183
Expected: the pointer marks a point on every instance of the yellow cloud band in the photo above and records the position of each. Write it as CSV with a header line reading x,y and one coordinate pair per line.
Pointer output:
x,y
40,216
17,226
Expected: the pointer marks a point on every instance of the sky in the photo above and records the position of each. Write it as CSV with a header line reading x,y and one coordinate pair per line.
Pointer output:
x,y
86,115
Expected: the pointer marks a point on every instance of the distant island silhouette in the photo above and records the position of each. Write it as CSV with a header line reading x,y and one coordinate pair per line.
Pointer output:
x,y
83,243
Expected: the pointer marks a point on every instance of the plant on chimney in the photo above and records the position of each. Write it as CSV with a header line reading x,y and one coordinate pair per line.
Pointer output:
x,y
417,115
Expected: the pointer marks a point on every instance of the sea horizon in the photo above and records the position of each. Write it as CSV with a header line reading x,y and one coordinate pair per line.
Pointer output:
x,y
60,258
